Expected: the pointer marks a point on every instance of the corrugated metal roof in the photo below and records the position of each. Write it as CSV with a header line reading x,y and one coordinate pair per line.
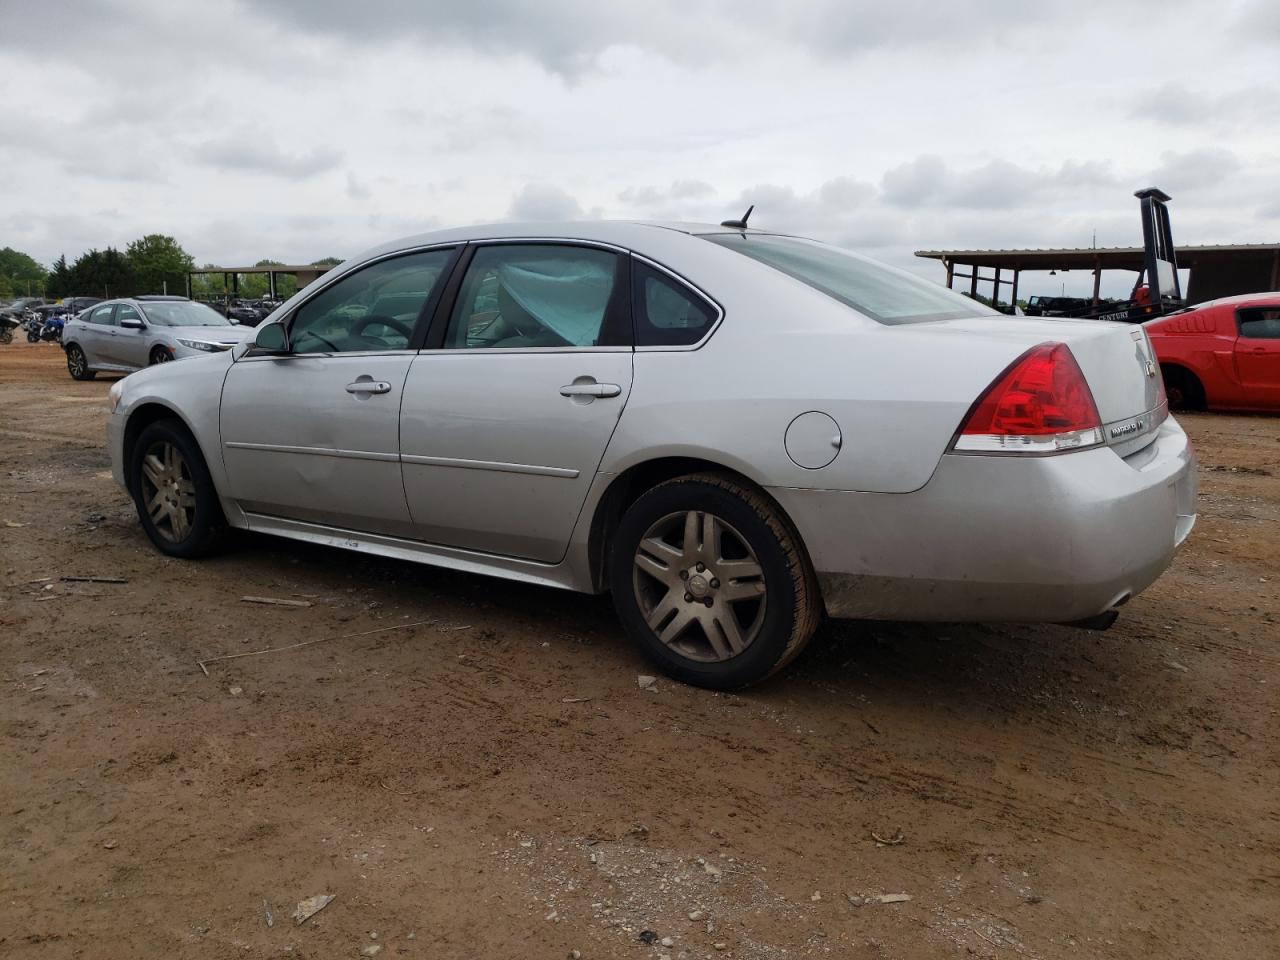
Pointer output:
x,y
274,268
1070,258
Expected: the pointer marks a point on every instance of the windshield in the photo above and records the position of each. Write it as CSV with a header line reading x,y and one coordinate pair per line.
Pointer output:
x,y
881,292
183,313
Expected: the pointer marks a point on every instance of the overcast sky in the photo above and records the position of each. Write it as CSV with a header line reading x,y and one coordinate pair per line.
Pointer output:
x,y
297,129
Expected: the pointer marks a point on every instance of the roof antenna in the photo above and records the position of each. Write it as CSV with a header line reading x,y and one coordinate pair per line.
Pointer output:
x,y
739,224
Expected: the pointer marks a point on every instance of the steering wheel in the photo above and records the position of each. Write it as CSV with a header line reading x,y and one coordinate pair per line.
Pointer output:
x,y
327,342
391,322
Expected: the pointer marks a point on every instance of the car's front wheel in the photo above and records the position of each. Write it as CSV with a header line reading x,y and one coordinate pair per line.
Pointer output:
x,y
174,494
78,364
712,583
160,355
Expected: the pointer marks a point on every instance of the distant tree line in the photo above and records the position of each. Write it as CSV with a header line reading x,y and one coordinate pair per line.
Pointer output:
x,y
252,285
20,275
155,263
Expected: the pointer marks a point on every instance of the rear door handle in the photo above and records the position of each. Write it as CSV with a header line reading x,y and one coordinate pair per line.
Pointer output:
x,y
369,386
590,390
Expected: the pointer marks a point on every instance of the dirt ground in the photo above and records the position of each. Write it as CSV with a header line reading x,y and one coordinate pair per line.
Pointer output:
x,y
485,778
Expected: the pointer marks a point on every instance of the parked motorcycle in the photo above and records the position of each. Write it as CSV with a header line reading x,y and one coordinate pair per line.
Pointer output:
x,y
7,325
49,329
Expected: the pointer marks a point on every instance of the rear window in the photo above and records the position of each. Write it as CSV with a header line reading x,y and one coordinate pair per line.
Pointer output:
x,y
882,293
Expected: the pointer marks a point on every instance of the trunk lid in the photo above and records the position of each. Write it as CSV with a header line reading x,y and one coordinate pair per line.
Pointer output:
x,y
1116,359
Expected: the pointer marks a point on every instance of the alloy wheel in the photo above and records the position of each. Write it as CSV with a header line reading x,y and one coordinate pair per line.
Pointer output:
x,y
700,586
75,362
168,491
160,355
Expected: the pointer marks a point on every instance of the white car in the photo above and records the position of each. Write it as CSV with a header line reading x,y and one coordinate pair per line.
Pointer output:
x,y
732,431
129,334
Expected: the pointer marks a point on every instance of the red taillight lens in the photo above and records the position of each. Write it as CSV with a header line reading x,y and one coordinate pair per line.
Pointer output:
x,y
1041,404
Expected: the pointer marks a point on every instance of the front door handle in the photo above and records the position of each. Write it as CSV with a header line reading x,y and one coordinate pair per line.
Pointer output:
x,y
590,389
368,386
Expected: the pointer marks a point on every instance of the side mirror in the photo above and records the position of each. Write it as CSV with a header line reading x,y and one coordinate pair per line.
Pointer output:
x,y
272,338
130,324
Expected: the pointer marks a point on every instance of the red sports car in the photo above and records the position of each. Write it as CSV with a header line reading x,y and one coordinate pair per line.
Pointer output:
x,y
1222,355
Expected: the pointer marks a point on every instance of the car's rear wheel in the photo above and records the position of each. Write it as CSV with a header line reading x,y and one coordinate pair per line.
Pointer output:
x,y
160,355
1183,388
78,364
710,580
174,494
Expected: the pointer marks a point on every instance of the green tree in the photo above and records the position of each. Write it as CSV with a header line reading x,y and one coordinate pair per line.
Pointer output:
x,y
253,285
157,263
105,273
58,283
206,285
286,285
326,262
6,288
24,274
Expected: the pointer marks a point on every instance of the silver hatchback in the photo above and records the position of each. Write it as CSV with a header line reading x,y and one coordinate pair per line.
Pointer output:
x,y
735,433
128,334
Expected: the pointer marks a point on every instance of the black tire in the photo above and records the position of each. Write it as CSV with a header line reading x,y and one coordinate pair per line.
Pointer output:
x,y
1183,388
204,531
791,606
78,364
159,355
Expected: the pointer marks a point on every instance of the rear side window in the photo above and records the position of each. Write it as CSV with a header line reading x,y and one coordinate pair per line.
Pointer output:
x,y
102,315
1260,323
667,313
525,296
880,292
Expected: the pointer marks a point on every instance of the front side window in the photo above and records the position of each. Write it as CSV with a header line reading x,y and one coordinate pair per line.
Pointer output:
x,y
102,315
880,292
373,308
126,312
538,295
666,312
1260,323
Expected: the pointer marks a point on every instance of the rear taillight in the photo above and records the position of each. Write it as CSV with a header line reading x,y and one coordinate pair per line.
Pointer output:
x,y
1040,404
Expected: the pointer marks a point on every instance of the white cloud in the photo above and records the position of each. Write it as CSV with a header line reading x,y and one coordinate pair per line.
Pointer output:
x,y
1194,168
543,201
256,152
297,129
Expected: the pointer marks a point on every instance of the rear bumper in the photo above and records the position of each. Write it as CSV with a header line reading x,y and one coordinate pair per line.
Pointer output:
x,y
1046,539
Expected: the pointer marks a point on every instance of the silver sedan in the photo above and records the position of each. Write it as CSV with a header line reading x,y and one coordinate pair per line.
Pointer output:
x,y
129,334
734,432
